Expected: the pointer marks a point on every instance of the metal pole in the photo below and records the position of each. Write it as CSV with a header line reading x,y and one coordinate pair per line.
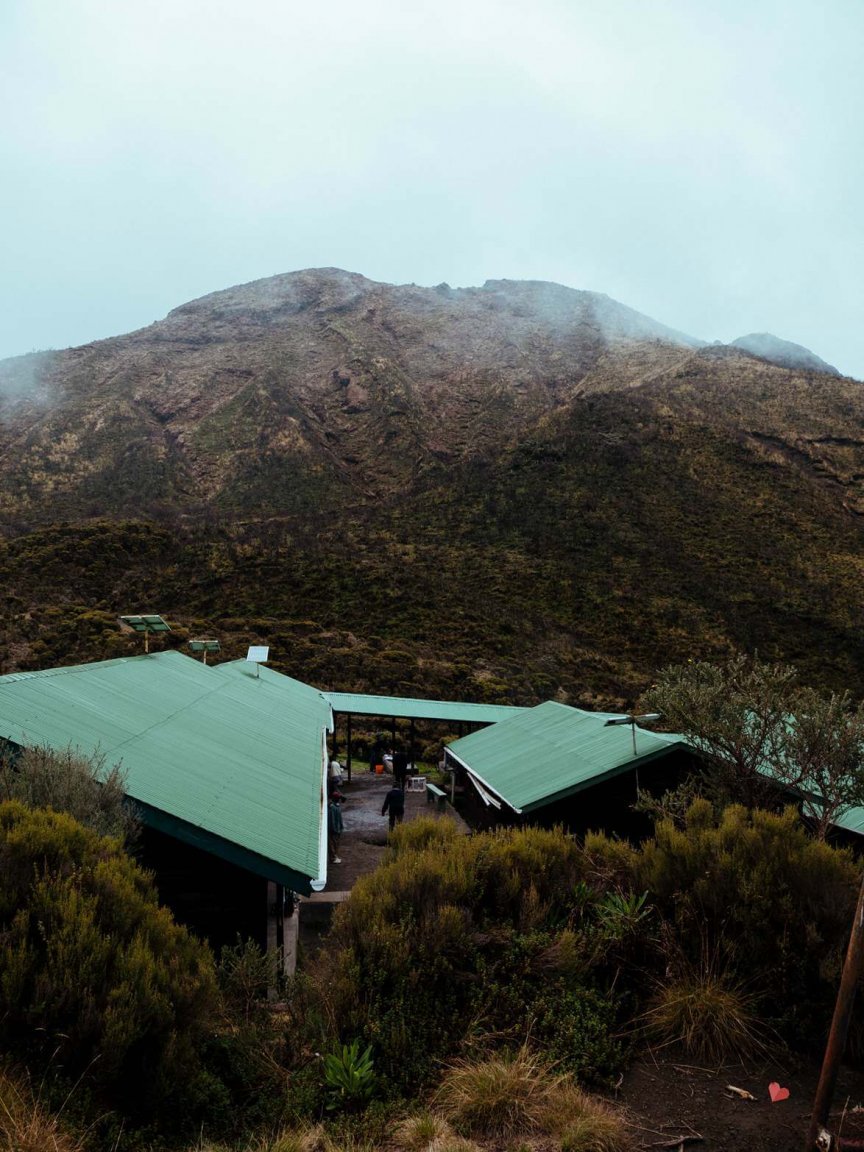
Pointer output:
x,y
836,1044
348,747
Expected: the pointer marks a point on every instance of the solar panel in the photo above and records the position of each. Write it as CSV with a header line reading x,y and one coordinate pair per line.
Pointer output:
x,y
145,625
150,623
259,654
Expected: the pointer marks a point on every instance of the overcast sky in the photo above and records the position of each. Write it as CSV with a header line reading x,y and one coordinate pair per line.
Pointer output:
x,y
699,160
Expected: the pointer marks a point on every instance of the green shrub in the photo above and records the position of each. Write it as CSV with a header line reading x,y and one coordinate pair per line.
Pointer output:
x,y
751,889
576,1028
423,832
443,943
68,782
92,970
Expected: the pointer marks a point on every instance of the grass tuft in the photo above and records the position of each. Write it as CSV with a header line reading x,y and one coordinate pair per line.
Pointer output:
x,y
26,1125
418,1133
710,1018
499,1096
583,1123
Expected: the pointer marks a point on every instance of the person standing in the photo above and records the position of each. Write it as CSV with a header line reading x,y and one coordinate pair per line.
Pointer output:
x,y
335,826
335,775
400,768
394,804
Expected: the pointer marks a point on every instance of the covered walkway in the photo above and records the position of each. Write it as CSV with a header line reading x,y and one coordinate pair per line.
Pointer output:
x,y
393,708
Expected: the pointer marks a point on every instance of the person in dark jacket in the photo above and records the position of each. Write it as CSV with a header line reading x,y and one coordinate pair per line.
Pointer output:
x,y
400,767
335,826
394,803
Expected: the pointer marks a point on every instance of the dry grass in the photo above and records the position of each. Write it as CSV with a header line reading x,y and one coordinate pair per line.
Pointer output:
x,y
522,1096
712,1019
583,1123
500,1096
25,1125
309,1139
418,1133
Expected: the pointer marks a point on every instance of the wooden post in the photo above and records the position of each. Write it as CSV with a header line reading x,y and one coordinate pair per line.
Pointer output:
x,y
836,1045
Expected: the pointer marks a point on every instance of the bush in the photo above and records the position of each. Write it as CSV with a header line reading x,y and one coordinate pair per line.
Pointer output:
x,y
576,1027
443,939
68,782
92,970
750,889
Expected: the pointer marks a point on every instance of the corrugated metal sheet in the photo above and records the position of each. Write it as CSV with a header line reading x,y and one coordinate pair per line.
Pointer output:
x,y
852,821
553,750
217,748
408,708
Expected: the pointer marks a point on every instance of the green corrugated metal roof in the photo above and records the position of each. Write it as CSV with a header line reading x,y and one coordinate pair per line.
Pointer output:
x,y
218,749
852,821
553,750
408,708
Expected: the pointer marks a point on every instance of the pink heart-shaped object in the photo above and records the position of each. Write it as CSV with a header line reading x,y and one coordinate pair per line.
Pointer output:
x,y
777,1093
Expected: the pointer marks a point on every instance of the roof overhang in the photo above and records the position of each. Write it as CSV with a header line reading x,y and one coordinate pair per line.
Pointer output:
x,y
225,849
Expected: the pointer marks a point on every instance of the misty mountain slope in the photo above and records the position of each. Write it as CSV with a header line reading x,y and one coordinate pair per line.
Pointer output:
x,y
504,493
357,386
783,352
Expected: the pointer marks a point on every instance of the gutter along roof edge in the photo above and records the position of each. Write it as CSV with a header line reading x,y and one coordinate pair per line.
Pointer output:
x,y
228,850
485,783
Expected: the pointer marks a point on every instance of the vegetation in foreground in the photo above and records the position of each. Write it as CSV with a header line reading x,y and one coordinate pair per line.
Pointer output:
x,y
473,992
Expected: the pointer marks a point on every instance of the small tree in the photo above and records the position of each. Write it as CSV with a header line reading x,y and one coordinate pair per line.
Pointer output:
x,y
734,715
823,756
756,728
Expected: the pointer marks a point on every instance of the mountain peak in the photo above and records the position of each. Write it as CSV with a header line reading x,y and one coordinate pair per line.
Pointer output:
x,y
783,352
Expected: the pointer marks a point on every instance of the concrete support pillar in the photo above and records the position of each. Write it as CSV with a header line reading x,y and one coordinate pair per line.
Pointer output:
x,y
273,913
290,934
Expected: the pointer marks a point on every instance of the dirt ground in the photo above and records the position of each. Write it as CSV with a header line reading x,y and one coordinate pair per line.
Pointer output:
x,y
666,1100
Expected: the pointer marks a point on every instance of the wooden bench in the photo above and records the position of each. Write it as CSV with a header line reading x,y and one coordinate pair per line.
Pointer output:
x,y
435,795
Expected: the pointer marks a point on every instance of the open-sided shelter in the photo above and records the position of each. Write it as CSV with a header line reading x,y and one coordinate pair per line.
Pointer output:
x,y
391,708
